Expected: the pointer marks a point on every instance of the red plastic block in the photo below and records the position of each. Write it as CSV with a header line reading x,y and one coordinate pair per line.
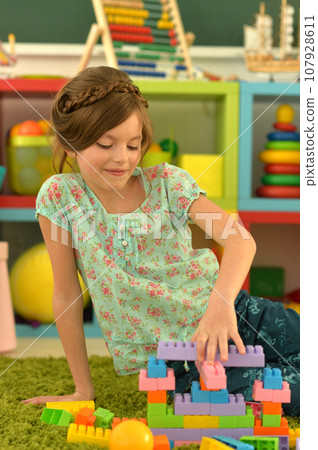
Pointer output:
x,y
283,430
161,443
85,417
272,408
157,397
213,375
271,395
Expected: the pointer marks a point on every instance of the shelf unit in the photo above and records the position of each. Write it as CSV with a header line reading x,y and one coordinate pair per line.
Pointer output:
x,y
214,105
252,143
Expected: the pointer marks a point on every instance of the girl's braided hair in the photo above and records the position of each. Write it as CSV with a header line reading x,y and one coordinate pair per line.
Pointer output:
x,y
93,102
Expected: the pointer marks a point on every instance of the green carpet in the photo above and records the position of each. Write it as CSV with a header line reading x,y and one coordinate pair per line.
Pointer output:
x,y
20,426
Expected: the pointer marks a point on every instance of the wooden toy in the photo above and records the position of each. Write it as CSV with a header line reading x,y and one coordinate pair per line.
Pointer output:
x,y
278,179
155,29
280,157
279,191
285,114
283,145
292,169
283,136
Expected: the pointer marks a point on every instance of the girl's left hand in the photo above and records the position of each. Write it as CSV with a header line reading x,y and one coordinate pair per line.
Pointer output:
x,y
217,325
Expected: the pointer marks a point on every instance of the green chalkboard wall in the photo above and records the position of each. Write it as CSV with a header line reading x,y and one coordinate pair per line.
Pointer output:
x,y
214,22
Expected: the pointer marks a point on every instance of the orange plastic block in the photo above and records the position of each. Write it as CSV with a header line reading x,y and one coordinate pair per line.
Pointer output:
x,y
85,417
203,386
161,443
118,420
157,396
283,430
293,435
272,408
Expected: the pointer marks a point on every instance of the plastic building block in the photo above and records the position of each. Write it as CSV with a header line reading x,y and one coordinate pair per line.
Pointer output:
x,y
271,395
118,420
262,443
161,443
234,433
157,409
221,396
156,368
91,435
271,408
56,417
199,396
272,378
157,397
179,434
187,351
104,418
201,422
183,406
293,435
85,417
246,421
234,443
256,407
168,383
72,407
213,375
165,421
235,407
283,442
283,430
145,383
297,443
271,420
213,444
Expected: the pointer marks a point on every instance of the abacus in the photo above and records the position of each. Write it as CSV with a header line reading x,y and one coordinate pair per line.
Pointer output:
x,y
143,38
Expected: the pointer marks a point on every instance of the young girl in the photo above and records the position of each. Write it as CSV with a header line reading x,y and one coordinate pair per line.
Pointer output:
x,y
125,229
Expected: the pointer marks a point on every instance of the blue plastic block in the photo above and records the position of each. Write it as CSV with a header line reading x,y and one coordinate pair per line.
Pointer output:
x,y
171,443
234,443
156,368
199,396
272,378
221,396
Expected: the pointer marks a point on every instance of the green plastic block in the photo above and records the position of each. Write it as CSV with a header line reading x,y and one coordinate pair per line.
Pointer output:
x,y
262,443
271,420
227,422
56,417
267,282
157,409
167,421
104,418
246,421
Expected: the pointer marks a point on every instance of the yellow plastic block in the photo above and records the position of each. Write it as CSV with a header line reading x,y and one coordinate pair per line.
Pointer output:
x,y
293,434
91,435
72,407
207,170
212,444
201,422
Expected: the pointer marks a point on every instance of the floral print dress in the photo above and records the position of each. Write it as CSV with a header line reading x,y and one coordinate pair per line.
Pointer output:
x,y
145,280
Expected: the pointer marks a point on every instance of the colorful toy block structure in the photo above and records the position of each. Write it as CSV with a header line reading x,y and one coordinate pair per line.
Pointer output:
x,y
210,411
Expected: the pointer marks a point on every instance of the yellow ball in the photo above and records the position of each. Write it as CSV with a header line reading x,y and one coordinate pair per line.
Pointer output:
x,y
31,282
155,148
285,114
131,435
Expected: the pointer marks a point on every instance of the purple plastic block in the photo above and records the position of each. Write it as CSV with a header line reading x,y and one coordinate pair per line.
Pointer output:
x,y
235,433
179,434
183,406
235,407
187,351
297,443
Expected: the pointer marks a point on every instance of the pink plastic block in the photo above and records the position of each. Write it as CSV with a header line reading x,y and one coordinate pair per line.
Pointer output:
x,y
187,351
145,383
213,375
183,406
180,443
271,395
168,383
235,407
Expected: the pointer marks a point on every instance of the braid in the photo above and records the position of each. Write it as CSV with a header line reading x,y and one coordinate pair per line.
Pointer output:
x,y
94,94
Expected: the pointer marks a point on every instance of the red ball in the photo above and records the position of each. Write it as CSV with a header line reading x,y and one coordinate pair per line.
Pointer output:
x,y
30,128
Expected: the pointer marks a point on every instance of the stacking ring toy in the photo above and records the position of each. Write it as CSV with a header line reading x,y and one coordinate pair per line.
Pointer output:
x,y
285,113
281,126
292,169
280,157
283,145
283,136
281,179
279,191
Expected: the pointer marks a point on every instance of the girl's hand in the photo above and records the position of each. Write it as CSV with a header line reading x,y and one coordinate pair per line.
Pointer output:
x,y
217,325
76,397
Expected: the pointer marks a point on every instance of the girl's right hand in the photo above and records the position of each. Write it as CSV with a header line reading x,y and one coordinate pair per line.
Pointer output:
x,y
76,397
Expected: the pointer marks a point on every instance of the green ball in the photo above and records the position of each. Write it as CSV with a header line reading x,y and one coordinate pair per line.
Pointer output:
x,y
169,145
